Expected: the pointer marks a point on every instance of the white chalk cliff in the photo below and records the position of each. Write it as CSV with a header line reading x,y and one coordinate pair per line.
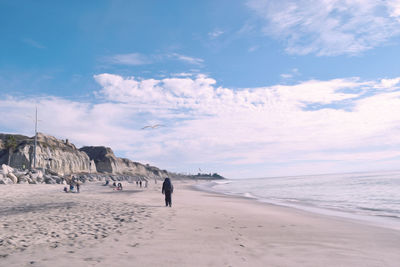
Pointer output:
x,y
63,158
57,156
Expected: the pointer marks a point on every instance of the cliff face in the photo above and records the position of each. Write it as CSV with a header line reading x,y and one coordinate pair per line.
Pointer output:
x,y
107,162
55,155
103,157
3,144
61,158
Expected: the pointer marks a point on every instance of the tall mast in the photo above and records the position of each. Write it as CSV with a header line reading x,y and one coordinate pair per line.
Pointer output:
x,y
34,147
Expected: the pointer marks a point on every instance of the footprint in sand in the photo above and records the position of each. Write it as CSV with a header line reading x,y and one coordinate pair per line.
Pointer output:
x,y
98,260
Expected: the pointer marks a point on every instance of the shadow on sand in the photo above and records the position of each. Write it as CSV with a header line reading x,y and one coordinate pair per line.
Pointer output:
x,y
35,208
125,192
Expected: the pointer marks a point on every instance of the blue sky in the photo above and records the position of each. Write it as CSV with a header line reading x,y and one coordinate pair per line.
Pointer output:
x,y
244,88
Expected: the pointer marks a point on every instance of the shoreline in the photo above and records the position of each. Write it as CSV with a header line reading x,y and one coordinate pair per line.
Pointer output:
x,y
387,222
102,227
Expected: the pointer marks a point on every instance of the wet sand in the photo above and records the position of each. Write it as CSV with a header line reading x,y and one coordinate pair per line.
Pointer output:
x,y
42,226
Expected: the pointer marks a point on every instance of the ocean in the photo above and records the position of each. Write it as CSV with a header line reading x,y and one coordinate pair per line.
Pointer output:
x,y
369,197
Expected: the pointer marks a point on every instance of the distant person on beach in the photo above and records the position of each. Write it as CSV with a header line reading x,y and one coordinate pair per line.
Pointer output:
x,y
114,184
77,187
167,190
140,183
71,187
119,186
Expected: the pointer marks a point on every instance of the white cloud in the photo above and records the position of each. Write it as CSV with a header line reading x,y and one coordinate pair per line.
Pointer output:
x,y
294,72
394,8
389,83
33,43
236,121
187,59
330,27
215,34
286,75
318,126
127,59
135,59
246,29
253,48
182,74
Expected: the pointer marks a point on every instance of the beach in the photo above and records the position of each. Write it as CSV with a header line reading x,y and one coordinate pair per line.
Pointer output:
x,y
43,226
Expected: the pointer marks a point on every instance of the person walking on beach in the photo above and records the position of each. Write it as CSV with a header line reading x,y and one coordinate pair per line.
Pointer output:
x,y
77,186
167,189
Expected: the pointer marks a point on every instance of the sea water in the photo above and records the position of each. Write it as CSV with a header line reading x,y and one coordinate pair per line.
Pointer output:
x,y
372,197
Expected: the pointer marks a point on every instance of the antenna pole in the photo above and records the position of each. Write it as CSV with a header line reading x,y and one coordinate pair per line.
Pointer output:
x,y
34,146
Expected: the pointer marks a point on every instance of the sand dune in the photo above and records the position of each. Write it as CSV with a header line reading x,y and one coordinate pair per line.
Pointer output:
x,y
43,226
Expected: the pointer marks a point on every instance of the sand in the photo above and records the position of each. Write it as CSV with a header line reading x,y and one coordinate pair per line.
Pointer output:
x,y
42,226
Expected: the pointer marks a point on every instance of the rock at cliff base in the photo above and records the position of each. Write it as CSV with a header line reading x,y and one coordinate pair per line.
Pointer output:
x,y
19,173
6,180
6,169
12,177
24,179
49,180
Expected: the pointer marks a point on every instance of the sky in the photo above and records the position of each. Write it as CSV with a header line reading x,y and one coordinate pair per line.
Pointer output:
x,y
246,89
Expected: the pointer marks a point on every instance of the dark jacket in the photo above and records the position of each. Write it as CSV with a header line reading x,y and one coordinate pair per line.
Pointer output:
x,y
167,186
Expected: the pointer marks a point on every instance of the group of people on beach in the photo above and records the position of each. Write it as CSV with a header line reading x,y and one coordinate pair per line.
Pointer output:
x,y
117,186
73,183
140,183
167,187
